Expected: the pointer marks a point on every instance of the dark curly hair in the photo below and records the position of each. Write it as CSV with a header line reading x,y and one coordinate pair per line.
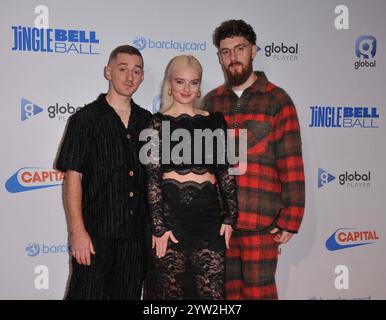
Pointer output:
x,y
233,28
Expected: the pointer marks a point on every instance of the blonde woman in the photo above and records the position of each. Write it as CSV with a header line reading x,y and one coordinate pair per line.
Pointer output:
x,y
192,198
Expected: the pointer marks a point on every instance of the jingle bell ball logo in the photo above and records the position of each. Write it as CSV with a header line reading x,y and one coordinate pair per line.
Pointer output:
x,y
30,178
365,50
366,117
344,238
65,41
141,43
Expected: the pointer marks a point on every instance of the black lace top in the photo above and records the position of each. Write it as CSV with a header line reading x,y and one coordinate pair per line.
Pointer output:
x,y
198,156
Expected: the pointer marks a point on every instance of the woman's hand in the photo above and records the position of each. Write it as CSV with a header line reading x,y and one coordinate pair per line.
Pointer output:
x,y
161,243
226,231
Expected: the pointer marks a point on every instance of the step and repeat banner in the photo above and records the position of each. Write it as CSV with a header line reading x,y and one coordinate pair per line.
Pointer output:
x,y
328,55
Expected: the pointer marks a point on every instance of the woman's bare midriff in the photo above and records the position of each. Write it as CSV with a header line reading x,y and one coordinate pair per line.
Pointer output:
x,y
199,178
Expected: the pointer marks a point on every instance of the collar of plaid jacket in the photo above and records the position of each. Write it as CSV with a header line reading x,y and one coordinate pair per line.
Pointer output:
x,y
258,86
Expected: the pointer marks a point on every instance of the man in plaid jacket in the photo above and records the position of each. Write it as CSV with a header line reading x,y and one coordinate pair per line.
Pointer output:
x,y
271,193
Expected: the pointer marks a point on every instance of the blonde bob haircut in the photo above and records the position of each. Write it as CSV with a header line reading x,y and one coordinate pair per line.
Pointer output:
x,y
178,61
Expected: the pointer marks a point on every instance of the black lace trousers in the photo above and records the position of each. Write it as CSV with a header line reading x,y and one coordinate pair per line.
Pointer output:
x,y
194,267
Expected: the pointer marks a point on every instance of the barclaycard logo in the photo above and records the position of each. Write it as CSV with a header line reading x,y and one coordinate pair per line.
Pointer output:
x,y
344,238
142,43
32,178
34,249
139,43
29,109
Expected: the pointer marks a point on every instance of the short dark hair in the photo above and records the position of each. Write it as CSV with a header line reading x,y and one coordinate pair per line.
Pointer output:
x,y
125,49
234,28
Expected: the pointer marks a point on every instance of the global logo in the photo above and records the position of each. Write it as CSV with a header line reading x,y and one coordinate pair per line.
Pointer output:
x,y
344,238
349,179
282,51
32,249
31,178
365,50
324,177
55,111
366,47
29,109
139,43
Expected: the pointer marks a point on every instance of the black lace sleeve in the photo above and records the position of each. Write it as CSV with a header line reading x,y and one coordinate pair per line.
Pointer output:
x,y
153,167
227,183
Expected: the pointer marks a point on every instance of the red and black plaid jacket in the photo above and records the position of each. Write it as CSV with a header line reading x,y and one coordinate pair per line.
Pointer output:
x,y
271,193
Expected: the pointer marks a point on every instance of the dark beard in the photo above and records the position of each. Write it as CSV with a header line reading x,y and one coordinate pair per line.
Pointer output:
x,y
237,79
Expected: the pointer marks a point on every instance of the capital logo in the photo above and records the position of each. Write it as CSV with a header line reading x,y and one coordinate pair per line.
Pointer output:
x,y
324,177
29,109
139,43
366,47
32,249
30,178
344,238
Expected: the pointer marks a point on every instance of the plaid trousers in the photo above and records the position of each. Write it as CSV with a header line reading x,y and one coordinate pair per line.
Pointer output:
x,y
251,266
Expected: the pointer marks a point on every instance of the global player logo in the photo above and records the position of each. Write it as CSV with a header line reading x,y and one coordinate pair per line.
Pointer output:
x,y
348,179
324,177
344,238
31,178
29,109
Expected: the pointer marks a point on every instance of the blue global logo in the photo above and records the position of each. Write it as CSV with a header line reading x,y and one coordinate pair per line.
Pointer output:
x,y
324,177
139,43
29,109
32,249
366,47
365,50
